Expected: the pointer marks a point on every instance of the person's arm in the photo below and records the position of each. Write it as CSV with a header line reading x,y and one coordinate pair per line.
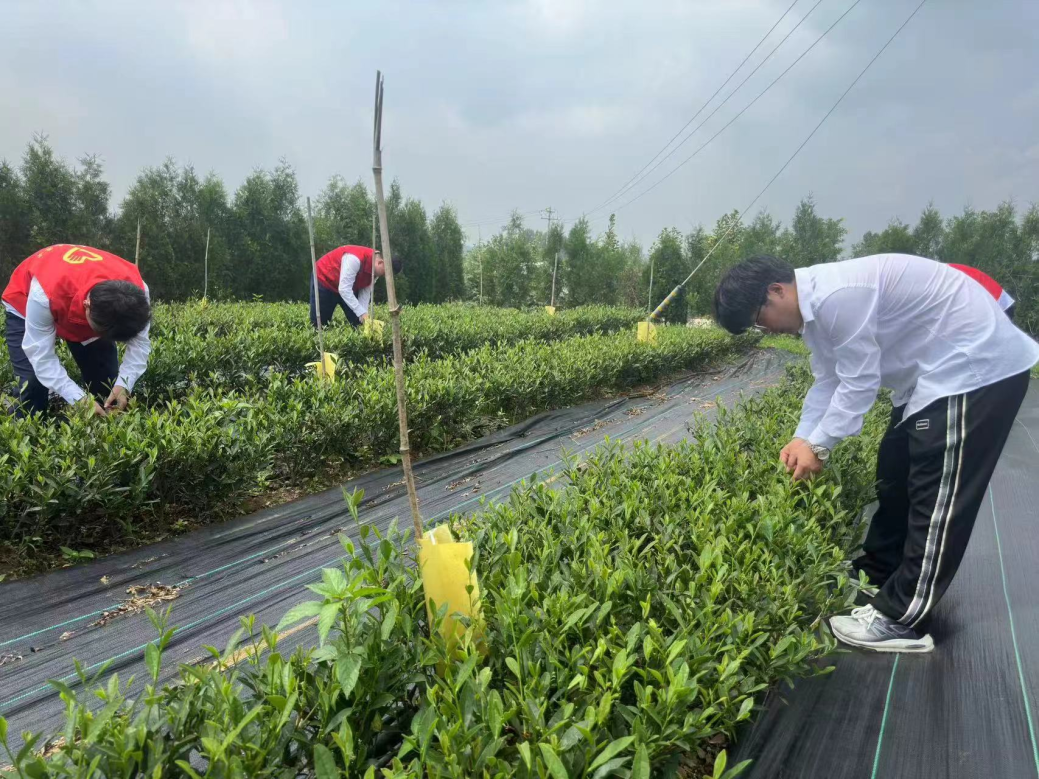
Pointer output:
x,y
848,320
38,344
347,275
135,358
817,401
365,298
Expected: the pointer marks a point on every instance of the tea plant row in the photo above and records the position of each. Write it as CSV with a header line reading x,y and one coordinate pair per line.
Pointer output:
x,y
239,345
89,483
632,619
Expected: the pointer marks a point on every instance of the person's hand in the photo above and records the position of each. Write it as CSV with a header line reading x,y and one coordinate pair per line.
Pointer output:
x,y
90,407
800,460
117,400
363,318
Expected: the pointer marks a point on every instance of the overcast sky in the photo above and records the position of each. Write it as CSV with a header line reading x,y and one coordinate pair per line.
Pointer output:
x,y
499,105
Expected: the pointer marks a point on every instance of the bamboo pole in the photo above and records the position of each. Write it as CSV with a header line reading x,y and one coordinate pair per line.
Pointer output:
x,y
649,308
137,251
317,296
205,262
391,295
375,279
555,267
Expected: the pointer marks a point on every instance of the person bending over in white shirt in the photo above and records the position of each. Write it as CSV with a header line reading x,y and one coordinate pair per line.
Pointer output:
x,y
958,370
89,298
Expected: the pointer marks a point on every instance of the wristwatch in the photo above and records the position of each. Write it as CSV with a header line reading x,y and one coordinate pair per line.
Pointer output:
x,y
820,451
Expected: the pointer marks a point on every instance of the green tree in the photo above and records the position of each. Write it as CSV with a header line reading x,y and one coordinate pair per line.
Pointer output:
x,y
896,238
670,267
722,249
582,261
270,248
929,233
762,236
50,192
811,238
343,215
447,244
510,261
15,221
175,209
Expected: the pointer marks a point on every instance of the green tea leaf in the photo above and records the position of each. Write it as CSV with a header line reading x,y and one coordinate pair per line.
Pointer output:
x,y
552,761
613,748
324,763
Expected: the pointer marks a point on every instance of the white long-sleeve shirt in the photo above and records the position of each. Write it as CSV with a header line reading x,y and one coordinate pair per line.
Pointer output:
x,y
915,326
40,338
348,270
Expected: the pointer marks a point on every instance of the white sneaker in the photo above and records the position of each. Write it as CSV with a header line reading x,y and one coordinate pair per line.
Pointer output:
x,y
869,629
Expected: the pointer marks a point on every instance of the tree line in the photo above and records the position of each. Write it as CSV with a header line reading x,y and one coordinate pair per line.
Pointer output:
x,y
258,240
516,264
259,246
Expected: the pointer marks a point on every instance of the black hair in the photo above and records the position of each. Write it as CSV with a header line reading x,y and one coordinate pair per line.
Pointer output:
x,y
744,290
398,263
119,310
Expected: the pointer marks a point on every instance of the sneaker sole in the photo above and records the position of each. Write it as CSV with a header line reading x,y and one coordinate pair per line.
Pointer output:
x,y
901,645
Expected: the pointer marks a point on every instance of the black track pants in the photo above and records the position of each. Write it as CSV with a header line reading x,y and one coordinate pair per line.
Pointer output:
x,y
932,473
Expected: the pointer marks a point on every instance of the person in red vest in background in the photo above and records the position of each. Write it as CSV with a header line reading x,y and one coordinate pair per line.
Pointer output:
x,y
91,299
344,278
991,286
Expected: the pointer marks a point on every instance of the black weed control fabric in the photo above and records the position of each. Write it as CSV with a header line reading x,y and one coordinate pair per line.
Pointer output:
x,y
260,564
968,709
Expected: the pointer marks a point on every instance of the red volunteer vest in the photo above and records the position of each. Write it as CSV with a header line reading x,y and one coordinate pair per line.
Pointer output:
x,y
330,266
990,284
67,273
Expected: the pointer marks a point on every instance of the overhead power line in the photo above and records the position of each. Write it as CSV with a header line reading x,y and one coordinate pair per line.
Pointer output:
x,y
797,151
625,186
742,111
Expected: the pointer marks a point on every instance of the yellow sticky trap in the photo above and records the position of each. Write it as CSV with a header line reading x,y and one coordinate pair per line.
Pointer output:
x,y
373,326
446,578
647,332
550,310
326,369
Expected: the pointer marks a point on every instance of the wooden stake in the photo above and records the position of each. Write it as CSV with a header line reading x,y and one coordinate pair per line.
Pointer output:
x,y
649,308
317,296
205,288
555,267
391,295
137,251
375,279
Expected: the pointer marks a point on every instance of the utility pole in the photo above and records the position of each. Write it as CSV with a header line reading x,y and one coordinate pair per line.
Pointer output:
x,y
205,288
649,308
555,266
479,249
137,251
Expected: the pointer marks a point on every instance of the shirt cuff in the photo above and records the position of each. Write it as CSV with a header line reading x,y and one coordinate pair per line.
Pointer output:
x,y
818,438
72,394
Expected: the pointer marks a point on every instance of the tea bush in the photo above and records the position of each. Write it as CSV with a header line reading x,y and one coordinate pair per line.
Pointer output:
x,y
95,481
631,617
227,346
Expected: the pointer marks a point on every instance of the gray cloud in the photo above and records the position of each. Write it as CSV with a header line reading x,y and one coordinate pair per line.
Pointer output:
x,y
502,105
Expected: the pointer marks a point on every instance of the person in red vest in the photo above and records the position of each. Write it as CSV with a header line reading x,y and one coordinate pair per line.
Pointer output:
x,y
991,286
344,278
91,299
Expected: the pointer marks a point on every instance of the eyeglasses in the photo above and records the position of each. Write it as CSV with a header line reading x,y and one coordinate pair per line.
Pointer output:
x,y
755,326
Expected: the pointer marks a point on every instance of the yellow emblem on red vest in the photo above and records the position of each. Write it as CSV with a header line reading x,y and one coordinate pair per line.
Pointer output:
x,y
77,255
